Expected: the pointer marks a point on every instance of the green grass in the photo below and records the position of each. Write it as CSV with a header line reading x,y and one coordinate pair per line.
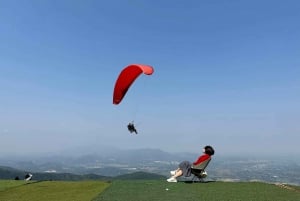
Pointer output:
x,y
5,184
52,190
145,190
214,191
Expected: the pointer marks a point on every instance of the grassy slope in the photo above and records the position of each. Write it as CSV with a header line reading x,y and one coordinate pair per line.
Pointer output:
x,y
214,191
52,190
5,184
144,190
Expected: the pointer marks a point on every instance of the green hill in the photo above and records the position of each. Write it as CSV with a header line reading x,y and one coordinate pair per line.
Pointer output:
x,y
145,190
10,173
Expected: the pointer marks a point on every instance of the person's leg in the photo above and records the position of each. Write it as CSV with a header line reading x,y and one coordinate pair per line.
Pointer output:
x,y
173,172
178,173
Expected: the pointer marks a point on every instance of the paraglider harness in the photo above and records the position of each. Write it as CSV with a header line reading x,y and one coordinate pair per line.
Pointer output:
x,y
131,128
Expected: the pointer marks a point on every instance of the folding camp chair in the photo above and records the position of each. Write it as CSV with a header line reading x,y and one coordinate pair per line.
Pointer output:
x,y
199,170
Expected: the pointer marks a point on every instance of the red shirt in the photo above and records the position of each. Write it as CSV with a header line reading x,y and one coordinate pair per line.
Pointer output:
x,y
202,158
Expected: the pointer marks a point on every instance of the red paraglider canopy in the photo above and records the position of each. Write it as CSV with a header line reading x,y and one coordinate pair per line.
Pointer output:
x,y
127,77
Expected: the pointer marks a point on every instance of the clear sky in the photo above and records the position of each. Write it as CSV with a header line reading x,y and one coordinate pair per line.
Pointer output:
x,y
227,73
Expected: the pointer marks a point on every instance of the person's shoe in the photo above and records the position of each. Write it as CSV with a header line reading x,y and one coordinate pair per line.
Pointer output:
x,y
172,179
173,172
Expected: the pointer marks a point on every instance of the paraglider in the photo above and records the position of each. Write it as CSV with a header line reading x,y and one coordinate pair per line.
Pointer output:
x,y
126,78
132,128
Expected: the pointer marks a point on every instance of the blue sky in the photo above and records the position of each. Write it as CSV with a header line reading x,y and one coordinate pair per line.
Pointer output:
x,y
227,73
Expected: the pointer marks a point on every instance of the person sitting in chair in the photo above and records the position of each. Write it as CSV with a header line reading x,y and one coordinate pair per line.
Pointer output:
x,y
184,168
131,128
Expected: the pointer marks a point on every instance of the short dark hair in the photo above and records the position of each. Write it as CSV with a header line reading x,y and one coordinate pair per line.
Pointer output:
x,y
209,150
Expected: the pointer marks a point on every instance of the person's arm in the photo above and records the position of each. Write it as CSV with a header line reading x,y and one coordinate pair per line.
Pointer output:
x,y
201,159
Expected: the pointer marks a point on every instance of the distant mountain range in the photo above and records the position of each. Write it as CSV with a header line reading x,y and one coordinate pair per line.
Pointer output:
x,y
153,162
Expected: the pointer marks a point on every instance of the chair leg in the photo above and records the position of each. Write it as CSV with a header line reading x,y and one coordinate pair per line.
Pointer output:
x,y
199,179
193,179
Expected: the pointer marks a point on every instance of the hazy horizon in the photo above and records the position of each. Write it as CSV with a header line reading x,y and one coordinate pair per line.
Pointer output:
x,y
109,150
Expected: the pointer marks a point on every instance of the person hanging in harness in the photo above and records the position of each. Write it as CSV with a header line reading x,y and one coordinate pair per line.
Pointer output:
x,y
131,128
